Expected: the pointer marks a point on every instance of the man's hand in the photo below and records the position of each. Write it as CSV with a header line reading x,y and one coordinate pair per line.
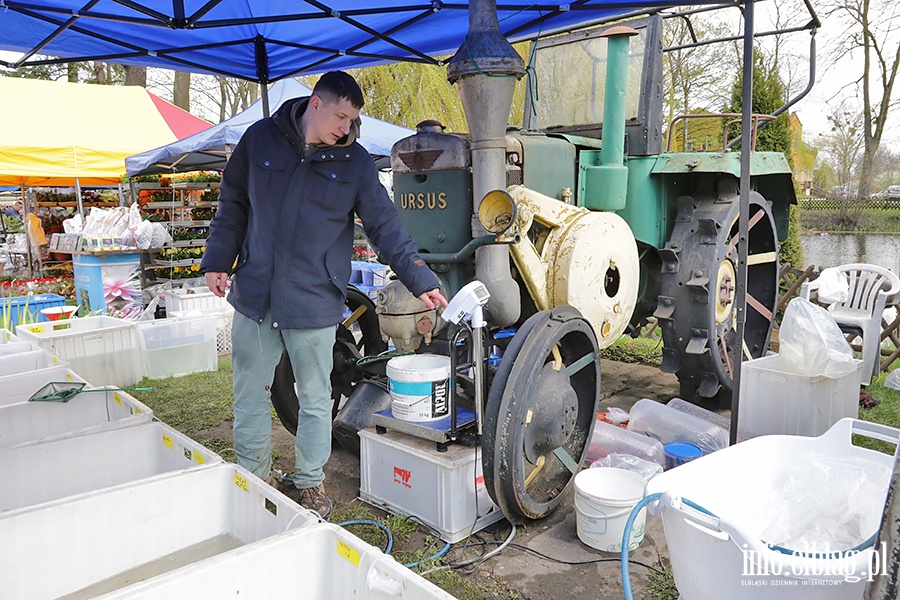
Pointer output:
x,y
216,283
431,298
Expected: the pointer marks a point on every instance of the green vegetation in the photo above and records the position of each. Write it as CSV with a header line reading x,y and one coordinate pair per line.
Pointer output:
x,y
887,413
662,583
642,350
850,221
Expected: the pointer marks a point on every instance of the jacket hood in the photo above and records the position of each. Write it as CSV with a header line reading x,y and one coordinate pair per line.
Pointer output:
x,y
287,117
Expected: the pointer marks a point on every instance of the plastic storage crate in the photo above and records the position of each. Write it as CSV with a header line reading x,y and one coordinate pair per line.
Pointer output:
x,y
23,362
407,475
7,336
224,318
31,473
24,309
329,562
103,350
710,555
183,300
23,422
103,540
19,387
179,346
774,401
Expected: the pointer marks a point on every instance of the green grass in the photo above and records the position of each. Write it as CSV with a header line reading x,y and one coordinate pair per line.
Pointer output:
x,y
662,583
194,404
887,413
647,351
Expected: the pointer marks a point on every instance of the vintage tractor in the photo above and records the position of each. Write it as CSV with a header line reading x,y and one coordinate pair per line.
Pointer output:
x,y
605,230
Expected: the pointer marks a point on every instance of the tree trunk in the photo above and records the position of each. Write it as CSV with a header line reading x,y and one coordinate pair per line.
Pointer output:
x,y
72,72
181,96
136,76
100,72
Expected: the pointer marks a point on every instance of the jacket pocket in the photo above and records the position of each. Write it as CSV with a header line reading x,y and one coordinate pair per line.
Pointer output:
x,y
267,176
243,257
336,188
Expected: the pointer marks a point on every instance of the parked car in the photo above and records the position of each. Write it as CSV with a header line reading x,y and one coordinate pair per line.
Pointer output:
x,y
839,192
893,192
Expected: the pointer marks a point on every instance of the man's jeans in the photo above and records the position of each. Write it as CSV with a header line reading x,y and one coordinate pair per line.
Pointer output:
x,y
256,351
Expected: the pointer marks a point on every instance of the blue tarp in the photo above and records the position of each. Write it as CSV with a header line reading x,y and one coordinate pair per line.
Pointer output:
x,y
271,40
209,149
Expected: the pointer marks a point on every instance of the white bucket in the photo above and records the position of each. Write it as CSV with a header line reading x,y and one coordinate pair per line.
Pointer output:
x,y
419,387
604,498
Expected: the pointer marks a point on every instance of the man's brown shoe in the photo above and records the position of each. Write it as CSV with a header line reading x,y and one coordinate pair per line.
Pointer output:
x,y
314,498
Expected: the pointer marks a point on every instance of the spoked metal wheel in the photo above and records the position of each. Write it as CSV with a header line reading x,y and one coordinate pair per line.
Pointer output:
x,y
696,305
540,411
358,336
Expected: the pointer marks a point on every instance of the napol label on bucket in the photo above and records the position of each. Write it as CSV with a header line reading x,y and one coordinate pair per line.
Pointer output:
x,y
419,386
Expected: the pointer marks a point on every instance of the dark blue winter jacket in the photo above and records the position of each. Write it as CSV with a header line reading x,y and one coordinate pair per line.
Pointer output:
x,y
287,221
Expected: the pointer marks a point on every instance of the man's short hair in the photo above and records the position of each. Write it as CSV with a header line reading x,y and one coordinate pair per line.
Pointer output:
x,y
335,85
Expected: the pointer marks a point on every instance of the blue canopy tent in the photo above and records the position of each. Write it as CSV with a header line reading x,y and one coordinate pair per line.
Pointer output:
x,y
209,149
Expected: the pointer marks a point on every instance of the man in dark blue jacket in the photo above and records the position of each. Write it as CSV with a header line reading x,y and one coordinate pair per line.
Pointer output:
x,y
284,230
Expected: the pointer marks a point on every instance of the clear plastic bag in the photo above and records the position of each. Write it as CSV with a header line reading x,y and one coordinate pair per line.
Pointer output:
x,y
645,468
822,500
668,425
811,343
616,415
833,286
893,380
607,439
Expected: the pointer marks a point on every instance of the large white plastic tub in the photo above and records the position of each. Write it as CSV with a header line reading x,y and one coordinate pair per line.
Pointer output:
x,y
23,422
317,562
103,350
407,475
47,471
716,558
10,344
774,401
179,346
132,532
23,362
20,386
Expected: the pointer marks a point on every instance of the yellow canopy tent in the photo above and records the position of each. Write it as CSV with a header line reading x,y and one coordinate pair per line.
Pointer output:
x,y
61,134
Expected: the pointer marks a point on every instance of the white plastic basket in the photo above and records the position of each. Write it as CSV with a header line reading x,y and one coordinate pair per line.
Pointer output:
x,y
188,299
103,540
224,318
103,350
717,557
23,362
47,471
329,563
23,422
179,346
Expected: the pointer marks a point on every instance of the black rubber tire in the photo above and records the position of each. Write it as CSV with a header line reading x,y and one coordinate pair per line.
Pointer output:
x,y
698,343
513,412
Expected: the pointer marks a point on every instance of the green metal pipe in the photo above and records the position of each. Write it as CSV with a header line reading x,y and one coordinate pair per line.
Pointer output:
x,y
464,253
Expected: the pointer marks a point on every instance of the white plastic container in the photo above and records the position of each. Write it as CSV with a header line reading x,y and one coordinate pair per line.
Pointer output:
x,y
47,471
103,540
7,337
774,401
179,346
28,422
185,300
23,362
718,557
20,386
16,347
407,475
224,318
419,387
317,562
604,498
103,350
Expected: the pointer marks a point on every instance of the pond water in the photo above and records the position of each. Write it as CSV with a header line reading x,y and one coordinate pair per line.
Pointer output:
x,y
834,249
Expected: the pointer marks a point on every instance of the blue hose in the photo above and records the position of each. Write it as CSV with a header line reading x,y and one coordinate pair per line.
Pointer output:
x,y
439,554
626,538
390,543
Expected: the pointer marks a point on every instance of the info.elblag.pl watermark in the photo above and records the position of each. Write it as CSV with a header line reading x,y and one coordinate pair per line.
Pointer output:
x,y
827,568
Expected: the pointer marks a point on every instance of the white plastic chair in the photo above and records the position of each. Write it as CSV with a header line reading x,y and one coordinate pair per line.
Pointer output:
x,y
871,289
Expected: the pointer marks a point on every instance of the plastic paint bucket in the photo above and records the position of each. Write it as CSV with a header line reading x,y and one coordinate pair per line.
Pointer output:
x,y
419,387
678,453
604,498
